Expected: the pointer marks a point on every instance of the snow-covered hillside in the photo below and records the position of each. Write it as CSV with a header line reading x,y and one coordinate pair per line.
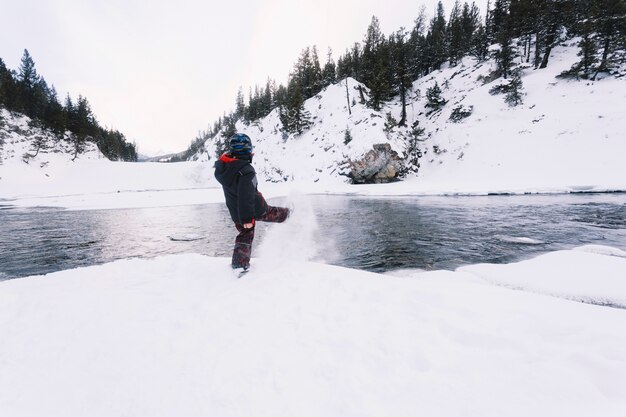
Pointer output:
x,y
22,141
567,134
40,169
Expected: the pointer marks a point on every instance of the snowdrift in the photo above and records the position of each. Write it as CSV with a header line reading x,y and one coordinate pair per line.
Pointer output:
x,y
180,335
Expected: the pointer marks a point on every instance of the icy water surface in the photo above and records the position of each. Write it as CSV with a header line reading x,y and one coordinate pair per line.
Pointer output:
x,y
376,234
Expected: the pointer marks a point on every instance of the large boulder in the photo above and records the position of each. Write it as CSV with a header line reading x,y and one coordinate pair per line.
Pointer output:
x,y
380,165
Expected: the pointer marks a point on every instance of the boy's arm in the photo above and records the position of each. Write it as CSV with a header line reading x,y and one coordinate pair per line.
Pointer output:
x,y
246,194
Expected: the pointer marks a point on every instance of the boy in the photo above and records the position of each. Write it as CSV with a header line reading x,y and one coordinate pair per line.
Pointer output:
x,y
246,205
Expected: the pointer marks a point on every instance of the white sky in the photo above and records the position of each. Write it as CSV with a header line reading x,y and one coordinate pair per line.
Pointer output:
x,y
161,71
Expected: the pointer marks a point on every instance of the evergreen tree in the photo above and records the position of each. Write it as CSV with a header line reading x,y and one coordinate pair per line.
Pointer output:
x,y
372,42
514,90
294,117
70,114
316,72
609,18
480,44
8,87
499,22
349,65
470,23
54,115
267,99
356,58
524,17
376,73
582,25
347,136
85,121
27,80
329,73
417,46
434,98
505,54
436,51
402,76
554,13
455,35
240,106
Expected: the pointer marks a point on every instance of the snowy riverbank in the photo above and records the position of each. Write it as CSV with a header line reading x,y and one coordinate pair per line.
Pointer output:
x,y
103,184
179,335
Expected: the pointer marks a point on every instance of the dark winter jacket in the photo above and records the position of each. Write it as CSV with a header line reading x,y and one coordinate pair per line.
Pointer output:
x,y
239,182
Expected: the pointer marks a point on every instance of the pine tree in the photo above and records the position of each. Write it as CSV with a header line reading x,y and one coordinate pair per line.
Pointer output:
x,y
500,18
8,87
553,20
316,72
434,98
27,80
417,46
347,136
329,73
505,54
293,116
402,76
54,115
371,44
70,113
470,22
455,35
610,25
267,98
376,72
240,106
436,39
85,121
524,17
514,90
480,44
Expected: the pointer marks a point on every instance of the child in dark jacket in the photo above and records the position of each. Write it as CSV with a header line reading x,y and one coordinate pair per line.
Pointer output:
x,y
246,205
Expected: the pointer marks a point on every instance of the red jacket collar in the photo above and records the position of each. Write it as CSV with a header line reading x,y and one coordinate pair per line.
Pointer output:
x,y
227,159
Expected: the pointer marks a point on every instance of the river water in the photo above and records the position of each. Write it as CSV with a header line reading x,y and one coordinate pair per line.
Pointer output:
x,y
376,234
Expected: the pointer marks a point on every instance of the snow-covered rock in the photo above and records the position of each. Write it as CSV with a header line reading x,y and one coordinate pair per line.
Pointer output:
x,y
380,165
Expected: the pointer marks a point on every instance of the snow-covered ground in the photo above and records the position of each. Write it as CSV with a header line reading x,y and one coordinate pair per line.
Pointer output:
x,y
180,335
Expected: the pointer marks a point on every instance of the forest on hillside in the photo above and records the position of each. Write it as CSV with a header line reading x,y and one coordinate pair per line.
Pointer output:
x,y
514,33
26,92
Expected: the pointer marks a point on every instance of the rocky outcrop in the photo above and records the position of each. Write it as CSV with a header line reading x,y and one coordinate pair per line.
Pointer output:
x,y
380,165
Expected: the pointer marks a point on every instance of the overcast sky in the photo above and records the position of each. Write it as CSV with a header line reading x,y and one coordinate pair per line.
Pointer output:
x,y
161,71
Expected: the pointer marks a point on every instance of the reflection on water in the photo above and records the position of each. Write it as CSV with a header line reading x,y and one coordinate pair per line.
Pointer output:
x,y
367,233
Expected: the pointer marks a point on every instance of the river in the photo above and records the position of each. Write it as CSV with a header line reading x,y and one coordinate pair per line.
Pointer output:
x,y
375,234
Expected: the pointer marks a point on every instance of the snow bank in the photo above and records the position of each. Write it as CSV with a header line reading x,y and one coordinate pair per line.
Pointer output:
x,y
180,335
104,184
592,274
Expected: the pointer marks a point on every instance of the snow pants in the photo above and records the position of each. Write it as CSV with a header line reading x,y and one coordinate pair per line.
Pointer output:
x,y
243,241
